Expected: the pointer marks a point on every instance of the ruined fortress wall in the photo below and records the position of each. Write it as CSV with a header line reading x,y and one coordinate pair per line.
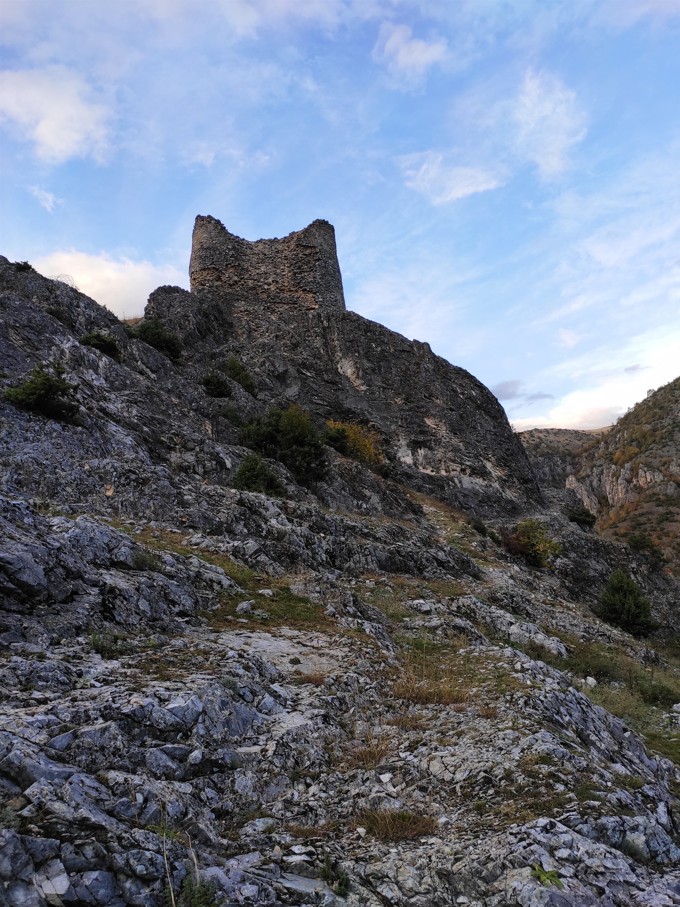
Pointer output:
x,y
299,270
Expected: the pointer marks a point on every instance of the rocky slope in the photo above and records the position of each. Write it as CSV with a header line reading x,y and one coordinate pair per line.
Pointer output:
x,y
350,695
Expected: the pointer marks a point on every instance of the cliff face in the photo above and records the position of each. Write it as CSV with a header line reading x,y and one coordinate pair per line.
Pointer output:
x,y
628,475
555,452
280,305
632,478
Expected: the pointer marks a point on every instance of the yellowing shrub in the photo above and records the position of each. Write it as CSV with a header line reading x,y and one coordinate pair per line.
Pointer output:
x,y
354,441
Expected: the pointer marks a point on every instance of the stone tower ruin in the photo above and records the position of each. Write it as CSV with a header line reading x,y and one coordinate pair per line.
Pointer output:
x,y
300,270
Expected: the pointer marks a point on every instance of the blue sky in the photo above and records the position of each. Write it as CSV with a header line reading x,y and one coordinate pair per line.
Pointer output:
x,y
503,175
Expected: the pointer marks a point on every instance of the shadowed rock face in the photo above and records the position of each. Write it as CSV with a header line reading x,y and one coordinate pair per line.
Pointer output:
x,y
279,305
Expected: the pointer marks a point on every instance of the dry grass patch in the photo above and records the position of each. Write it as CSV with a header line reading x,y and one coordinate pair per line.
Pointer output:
x,y
396,824
314,678
452,674
431,675
309,832
428,690
182,663
371,754
408,722
487,711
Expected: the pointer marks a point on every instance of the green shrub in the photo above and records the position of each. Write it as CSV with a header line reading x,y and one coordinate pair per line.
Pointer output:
x,y
623,604
143,560
110,644
151,331
45,391
194,892
61,314
289,435
254,475
336,437
231,414
531,541
105,343
23,266
335,877
237,372
547,877
582,517
216,385
354,441
642,543
478,525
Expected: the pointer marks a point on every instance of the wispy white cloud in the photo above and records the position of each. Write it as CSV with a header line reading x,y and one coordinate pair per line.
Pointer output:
x,y
548,122
121,284
607,384
47,200
405,56
622,14
536,124
206,153
626,238
616,248
53,109
507,390
436,176
568,338
514,389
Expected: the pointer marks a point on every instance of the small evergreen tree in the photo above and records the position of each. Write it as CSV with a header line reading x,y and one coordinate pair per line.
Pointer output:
x,y
239,373
254,475
289,435
623,604
153,332
105,343
216,385
45,391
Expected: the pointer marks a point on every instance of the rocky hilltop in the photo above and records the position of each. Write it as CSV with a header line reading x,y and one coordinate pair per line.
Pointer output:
x,y
279,305
382,682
